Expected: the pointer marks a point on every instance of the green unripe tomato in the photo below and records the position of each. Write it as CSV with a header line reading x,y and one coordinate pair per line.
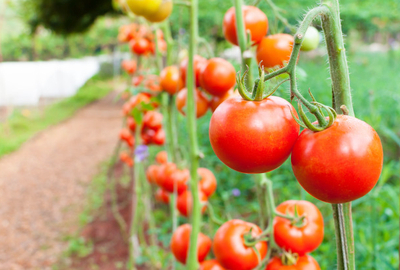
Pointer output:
x,y
311,39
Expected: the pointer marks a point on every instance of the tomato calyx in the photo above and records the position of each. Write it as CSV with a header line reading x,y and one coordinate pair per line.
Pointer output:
x,y
289,258
295,219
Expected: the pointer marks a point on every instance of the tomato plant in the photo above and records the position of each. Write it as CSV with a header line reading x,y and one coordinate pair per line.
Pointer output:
x,y
169,174
162,196
171,81
198,66
340,164
304,232
180,244
185,203
140,46
274,50
217,76
152,173
270,133
230,249
302,263
200,99
207,182
255,21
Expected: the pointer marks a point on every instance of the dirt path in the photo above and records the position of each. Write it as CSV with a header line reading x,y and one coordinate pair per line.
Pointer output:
x,y
43,185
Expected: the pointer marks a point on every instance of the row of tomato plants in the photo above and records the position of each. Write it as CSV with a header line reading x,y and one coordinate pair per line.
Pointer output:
x,y
337,159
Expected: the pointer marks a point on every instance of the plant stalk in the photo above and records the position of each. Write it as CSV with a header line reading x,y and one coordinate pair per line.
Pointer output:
x,y
341,96
192,263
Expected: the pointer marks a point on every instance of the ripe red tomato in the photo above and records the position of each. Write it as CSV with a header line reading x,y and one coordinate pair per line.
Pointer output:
x,y
185,203
130,122
340,164
162,196
198,66
180,244
211,265
148,136
125,134
207,183
140,46
159,137
303,263
124,157
253,136
230,249
129,66
171,80
152,120
201,102
254,20
303,237
217,76
217,100
162,157
170,174
152,173
274,50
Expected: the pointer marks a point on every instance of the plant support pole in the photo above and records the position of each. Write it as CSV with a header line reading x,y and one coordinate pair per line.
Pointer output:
x,y
192,263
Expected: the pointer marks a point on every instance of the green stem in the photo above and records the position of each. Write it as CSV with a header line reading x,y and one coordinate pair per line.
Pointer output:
x,y
192,263
246,55
170,42
278,15
263,211
341,96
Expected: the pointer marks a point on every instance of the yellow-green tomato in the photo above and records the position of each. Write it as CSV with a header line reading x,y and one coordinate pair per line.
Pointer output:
x,y
311,39
162,13
143,7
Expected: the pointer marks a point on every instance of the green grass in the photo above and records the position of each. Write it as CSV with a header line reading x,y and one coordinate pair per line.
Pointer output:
x,y
22,126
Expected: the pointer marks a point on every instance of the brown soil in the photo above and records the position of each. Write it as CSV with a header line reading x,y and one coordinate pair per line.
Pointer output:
x,y
43,187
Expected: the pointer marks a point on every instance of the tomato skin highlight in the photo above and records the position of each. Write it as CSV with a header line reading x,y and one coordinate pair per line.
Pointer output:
x,y
230,250
292,238
340,164
274,50
180,244
211,265
253,136
303,263
217,76
254,20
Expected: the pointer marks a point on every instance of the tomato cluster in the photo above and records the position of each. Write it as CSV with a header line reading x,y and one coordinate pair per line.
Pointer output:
x,y
169,177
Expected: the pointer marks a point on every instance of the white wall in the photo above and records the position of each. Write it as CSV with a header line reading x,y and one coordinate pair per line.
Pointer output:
x,y
23,83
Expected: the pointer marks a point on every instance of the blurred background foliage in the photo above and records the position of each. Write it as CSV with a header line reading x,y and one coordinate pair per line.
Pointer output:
x,y
33,24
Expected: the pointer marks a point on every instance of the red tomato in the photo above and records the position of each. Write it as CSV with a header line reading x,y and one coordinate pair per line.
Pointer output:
x,y
152,173
199,63
207,183
170,174
129,66
180,244
253,136
340,164
159,137
303,237
153,120
217,100
148,136
274,50
137,80
125,134
211,265
217,76
230,249
254,20
139,99
201,102
162,196
162,46
162,157
130,122
124,157
303,263
185,203
140,46
171,80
